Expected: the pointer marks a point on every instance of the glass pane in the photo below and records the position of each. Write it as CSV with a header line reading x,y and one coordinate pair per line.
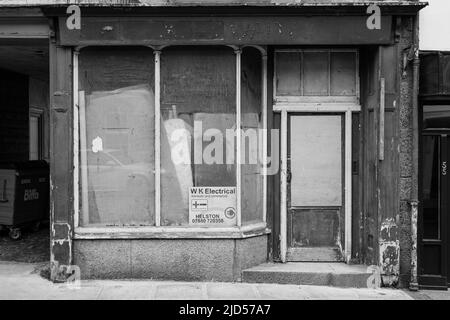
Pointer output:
x,y
288,75
119,135
437,116
198,174
430,186
315,73
343,73
251,122
316,160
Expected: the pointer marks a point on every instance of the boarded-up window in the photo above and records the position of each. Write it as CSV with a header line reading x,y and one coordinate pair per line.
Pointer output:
x,y
343,74
316,160
316,73
198,96
117,136
251,147
288,73
197,145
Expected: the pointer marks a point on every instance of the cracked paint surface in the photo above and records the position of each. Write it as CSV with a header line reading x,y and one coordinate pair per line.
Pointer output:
x,y
389,252
149,3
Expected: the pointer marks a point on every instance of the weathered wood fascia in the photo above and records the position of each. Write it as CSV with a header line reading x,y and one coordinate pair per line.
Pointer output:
x,y
291,7
20,13
149,3
165,233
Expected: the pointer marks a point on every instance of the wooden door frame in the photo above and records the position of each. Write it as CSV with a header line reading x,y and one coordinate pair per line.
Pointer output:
x,y
343,108
441,281
435,282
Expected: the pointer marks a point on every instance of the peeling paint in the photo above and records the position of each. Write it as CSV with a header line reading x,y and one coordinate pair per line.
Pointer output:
x,y
166,3
389,252
414,215
60,242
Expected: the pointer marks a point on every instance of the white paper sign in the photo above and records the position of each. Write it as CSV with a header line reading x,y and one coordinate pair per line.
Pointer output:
x,y
212,206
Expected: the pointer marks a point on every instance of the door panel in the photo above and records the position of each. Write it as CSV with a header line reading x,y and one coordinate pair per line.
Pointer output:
x,y
315,187
316,160
314,227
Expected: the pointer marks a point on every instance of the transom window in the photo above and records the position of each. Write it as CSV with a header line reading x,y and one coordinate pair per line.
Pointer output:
x,y
313,75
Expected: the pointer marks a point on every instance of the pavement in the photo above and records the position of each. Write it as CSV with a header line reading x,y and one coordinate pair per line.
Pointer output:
x,y
23,281
430,295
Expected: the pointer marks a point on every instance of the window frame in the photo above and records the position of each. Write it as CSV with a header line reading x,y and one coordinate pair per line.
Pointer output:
x,y
158,231
345,105
37,113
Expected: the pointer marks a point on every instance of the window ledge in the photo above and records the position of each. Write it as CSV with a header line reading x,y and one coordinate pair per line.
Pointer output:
x,y
92,233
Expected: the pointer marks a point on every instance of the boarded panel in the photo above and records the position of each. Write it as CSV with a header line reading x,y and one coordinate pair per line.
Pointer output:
x,y
103,69
251,147
288,73
370,103
119,134
389,170
343,74
315,73
198,96
120,156
316,160
314,228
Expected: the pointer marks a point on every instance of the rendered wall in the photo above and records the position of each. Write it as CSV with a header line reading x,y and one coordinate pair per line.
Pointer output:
x,y
173,259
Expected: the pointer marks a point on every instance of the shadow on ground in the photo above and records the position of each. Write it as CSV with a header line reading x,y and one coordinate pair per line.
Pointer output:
x,y
33,247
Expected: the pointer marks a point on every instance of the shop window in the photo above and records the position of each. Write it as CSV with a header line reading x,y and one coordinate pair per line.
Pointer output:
x,y
198,99
116,136
302,75
192,152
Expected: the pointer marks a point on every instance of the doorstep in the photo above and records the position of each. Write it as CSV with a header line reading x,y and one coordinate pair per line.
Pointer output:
x,y
309,273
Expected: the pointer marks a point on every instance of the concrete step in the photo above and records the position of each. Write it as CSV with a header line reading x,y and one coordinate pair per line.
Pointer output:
x,y
333,274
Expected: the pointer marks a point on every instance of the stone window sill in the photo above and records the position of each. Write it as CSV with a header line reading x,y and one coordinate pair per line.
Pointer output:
x,y
248,231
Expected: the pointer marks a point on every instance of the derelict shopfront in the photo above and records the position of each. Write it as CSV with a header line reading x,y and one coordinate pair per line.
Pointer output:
x,y
144,103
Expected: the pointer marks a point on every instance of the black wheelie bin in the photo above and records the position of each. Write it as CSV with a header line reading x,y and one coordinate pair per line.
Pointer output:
x,y
24,196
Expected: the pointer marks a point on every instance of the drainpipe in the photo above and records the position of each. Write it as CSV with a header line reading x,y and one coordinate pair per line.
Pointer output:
x,y
414,201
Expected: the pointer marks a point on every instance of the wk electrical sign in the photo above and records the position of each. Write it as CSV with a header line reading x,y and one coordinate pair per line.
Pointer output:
x,y
212,206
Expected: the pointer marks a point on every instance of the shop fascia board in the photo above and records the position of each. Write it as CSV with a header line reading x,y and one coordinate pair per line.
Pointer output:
x,y
185,3
211,7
